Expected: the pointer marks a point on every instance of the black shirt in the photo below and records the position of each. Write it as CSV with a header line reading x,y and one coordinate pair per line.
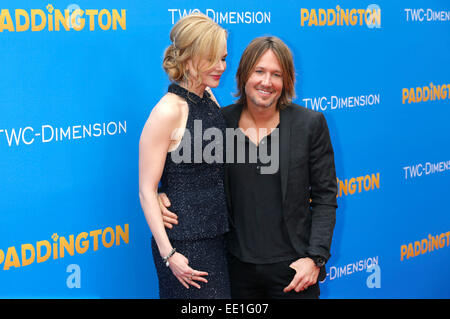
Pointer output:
x,y
259,234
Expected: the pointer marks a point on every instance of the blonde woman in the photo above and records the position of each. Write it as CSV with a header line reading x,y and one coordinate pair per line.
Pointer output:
x,y
190,259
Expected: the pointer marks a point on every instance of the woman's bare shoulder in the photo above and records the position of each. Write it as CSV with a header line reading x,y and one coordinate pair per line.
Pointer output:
x,y
169,107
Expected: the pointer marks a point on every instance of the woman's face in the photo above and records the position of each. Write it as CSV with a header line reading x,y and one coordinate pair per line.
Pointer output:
x,y
210,77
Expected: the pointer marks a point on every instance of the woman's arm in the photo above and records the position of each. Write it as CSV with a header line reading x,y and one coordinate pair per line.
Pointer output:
x,y
153,147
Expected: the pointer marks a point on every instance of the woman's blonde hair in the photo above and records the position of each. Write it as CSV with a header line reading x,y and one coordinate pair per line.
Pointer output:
x,y
194,36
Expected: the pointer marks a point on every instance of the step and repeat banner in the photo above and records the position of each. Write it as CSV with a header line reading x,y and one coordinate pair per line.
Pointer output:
x,y
79,78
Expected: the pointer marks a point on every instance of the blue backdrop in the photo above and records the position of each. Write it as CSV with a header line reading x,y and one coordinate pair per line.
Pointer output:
x,y
78,81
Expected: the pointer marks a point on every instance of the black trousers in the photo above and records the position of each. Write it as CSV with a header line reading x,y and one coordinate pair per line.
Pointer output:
x,y
265,281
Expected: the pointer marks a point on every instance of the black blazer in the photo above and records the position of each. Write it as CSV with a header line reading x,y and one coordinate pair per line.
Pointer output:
x,y
308,178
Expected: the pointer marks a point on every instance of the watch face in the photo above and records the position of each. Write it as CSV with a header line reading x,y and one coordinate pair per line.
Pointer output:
x,y
320,262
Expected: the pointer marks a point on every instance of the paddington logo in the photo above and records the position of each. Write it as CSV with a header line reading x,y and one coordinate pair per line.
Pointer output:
x,y
425,245
52,19
370,17
358,184
431,92
42,250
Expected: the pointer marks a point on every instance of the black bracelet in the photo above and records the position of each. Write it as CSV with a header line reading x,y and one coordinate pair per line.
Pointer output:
x,y
166,259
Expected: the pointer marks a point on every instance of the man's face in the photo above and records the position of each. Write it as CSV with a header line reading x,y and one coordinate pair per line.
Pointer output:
x,y
265,84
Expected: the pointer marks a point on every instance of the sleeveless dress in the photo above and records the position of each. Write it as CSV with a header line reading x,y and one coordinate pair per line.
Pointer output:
x,y
195,187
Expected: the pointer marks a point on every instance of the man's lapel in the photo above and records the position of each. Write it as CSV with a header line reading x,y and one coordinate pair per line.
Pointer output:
x,y
232,116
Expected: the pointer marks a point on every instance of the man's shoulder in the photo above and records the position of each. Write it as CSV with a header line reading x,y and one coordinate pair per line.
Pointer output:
x,y
230,108
298,112
231,112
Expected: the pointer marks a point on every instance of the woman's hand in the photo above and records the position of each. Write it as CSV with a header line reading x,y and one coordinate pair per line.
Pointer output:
x,y
184,273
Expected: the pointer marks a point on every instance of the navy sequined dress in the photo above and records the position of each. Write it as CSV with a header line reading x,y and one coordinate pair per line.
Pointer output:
x,y
193,179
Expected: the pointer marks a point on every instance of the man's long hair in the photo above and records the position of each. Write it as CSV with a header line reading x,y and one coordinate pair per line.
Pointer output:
x,y
251,56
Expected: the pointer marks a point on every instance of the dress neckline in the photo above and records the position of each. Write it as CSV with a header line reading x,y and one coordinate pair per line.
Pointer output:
x,y
186,94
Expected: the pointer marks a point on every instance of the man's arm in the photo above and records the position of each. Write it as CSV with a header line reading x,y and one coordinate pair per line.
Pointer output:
x,y
169,218
323,190
323,207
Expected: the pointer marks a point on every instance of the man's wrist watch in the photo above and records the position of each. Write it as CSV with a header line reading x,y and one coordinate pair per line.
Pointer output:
x,y
319,261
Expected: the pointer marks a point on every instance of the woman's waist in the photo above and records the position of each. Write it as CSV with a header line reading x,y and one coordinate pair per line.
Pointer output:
x,y
201,200
192,183
199,220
